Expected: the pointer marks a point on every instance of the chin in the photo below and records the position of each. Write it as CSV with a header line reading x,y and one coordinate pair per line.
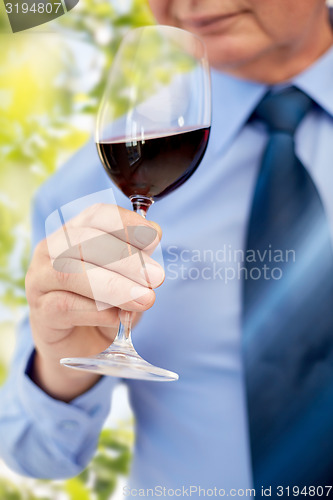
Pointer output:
x,y
229,56
235,56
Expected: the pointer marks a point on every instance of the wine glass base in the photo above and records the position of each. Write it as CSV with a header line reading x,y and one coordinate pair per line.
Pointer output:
x,y
120,365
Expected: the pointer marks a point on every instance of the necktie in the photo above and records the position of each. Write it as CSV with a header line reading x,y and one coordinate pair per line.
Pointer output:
x,y
288,312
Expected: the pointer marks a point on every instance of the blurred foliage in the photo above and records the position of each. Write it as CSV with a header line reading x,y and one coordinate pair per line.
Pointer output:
x,y
144,65
97,482
35,133
48,100
44,98
2,373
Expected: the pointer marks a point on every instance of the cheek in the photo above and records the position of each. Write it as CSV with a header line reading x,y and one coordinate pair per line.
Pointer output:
x,y
237,47
160,10
280,19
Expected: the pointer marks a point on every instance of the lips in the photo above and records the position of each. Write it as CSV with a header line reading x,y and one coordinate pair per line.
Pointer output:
x,y
205,24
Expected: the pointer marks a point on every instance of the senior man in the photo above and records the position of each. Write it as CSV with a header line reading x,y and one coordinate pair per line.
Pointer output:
x,y
254,402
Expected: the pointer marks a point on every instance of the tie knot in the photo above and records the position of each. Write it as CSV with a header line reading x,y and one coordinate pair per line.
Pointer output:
x,y
283,111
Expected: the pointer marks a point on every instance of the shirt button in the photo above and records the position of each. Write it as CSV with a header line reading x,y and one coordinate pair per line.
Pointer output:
x,y
68,425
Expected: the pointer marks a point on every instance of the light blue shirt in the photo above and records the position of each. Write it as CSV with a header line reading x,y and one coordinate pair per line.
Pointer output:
x,y
192,432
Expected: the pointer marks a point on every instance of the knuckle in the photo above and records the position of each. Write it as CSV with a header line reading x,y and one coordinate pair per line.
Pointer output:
x,y
94,212
41,248
63,278
63,266
31,286
58,303
34,279
47,303
52,304
93,209
66,303
85,216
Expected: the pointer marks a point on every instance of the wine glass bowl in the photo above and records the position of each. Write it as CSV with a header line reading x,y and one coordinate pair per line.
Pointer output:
x,y
153,127
152,131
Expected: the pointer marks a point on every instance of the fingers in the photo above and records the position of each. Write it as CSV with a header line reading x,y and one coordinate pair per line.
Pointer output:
x,y
124,224
65,310
78,329
91,244
105,250
106,288
116,284
100,256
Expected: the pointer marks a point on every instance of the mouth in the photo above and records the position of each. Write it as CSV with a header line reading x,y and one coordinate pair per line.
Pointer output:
x,y
208,24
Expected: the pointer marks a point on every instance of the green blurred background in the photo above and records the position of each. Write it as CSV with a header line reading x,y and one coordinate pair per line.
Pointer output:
x,y
51,80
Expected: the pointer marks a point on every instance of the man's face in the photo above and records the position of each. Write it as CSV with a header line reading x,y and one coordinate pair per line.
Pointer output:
x,y
244,37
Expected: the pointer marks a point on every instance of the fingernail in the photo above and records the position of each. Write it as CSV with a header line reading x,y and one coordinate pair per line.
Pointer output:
x,y
141,295
144,235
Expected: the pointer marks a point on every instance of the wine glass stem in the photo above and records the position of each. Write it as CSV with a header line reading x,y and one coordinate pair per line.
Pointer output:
x,y
123,339
124,330
141,204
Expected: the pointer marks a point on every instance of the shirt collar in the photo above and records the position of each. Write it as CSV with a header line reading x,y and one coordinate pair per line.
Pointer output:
x,y
233,102
234,99
317,81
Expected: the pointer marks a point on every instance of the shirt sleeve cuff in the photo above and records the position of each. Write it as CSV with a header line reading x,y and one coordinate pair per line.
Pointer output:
x,y
69,424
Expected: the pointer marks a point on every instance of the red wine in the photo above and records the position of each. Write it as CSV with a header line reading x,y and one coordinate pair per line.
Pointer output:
x,y
155,166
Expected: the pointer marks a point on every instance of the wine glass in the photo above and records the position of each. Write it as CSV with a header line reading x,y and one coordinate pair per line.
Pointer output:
x,y
152,131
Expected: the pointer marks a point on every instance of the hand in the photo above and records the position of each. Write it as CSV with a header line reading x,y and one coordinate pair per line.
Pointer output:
x,y
75,290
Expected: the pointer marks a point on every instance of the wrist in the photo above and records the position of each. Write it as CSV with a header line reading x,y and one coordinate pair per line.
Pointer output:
x,y
58,381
